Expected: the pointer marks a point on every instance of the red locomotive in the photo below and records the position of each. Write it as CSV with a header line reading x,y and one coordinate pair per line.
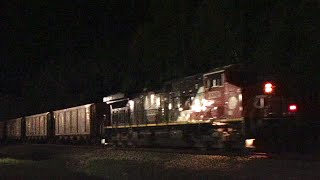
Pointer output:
x,y
226,107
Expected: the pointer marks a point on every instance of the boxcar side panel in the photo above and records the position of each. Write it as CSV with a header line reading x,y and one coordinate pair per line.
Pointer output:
x,y
33,127
14,128
73,121
59,120
42,127
67,123
36,125
82,120
28,128
87,121
45,125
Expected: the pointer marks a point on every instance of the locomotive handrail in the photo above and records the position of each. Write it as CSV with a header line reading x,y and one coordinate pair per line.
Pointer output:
x,y
159,124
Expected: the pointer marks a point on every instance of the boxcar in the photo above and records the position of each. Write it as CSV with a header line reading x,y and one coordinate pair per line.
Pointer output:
x,y
81,123
38,126
15,129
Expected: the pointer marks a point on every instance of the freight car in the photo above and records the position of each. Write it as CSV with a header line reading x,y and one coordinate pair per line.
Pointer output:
x,y
15,129
38,127
79,124
224,108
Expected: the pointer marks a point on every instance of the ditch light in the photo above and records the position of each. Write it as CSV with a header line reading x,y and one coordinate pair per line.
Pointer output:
x,y
103,142
250,143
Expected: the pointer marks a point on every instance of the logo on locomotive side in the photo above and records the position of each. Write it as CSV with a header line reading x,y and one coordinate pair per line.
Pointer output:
x,y
233,102
214,94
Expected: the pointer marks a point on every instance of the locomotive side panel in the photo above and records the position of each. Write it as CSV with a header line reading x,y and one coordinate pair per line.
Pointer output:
x,y
215,96
184,99
137,110
233,97
152,105
222,99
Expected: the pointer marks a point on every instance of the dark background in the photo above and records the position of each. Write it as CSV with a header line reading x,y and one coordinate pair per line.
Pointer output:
x,y
61,54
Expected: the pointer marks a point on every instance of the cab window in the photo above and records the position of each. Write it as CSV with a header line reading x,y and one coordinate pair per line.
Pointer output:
x,y
214,80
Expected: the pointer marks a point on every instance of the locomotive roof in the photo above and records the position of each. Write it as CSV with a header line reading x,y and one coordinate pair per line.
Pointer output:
x,y
222,68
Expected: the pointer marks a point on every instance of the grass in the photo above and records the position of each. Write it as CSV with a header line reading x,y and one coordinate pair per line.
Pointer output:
x,y
10,161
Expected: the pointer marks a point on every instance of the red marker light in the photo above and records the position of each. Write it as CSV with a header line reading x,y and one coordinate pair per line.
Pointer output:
x,y
268,88
293,108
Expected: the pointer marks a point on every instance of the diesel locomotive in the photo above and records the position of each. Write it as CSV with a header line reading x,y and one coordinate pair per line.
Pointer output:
x,y
228,107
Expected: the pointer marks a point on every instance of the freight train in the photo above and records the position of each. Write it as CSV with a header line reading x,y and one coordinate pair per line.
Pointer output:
x,y
228,107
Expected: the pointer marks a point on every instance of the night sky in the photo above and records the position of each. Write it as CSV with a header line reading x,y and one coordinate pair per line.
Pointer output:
x,y
62,54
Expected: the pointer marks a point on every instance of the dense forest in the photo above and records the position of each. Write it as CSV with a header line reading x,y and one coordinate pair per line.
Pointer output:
x,y
61,55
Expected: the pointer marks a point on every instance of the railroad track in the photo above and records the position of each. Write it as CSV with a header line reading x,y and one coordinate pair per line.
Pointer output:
x,y
153,149
251,154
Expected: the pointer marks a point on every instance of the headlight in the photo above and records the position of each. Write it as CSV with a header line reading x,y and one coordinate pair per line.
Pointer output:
x,y
250,143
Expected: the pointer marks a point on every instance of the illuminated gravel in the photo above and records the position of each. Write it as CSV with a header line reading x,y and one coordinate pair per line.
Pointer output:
x,y
109,163
238,167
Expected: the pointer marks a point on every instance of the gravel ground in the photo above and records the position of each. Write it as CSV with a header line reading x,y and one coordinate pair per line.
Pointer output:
x,y
105,163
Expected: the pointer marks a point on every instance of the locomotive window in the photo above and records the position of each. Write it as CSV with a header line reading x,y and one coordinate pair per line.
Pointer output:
x,y
214,80
208,83
218,80
214,83
219,83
